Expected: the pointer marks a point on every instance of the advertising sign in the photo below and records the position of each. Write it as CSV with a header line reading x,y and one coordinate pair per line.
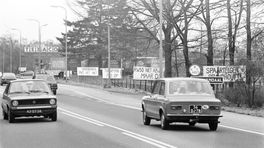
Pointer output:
x,y
195,70
229,73
213,80
44,49
116,73
57,63
146,73
87,71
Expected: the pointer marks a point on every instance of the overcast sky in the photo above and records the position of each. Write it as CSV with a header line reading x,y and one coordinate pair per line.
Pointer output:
x,y
15,14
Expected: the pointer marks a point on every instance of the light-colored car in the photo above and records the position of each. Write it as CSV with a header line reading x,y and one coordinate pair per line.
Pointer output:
x,y
188,100
7,77
50,79
28,97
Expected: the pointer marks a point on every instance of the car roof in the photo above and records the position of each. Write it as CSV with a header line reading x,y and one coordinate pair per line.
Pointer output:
x,y
183,78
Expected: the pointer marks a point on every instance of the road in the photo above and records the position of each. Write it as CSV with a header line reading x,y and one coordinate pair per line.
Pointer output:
x,y
90,117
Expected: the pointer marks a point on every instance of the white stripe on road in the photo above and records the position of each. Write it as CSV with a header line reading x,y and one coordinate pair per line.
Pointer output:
x,y
129,133
137,108
243,130
82,119
144,140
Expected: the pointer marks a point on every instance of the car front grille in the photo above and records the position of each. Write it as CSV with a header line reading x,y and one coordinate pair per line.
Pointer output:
x,y
34,102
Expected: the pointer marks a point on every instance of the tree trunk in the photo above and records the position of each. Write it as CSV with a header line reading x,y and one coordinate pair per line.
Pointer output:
x,y
248,2
210,53
230,33
167,52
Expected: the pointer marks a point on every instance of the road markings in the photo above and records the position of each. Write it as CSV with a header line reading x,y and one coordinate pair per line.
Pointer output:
x,y
137,108
126,132
239,129
144,140
82,119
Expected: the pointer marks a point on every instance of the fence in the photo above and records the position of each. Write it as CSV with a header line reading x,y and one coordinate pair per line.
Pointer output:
x,y
125,82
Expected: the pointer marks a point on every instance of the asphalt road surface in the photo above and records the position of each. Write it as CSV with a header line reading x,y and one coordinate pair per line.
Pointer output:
x,y
94,118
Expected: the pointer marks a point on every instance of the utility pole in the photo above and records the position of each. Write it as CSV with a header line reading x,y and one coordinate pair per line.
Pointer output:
x,y
160,37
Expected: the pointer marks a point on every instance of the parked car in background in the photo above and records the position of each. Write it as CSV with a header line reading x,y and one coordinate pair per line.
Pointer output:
x,y
7,77
28,98
50,79
188,100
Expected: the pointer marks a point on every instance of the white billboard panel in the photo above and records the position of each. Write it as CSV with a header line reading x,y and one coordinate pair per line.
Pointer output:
x,y
116,73
146,73
87,71
229,73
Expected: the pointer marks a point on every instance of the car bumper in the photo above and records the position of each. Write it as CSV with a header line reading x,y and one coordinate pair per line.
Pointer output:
x,y
33,110
193,118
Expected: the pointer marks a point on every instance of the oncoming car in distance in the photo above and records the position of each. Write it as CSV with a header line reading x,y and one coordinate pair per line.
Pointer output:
x,y
50,79
7,77
28,98
188,100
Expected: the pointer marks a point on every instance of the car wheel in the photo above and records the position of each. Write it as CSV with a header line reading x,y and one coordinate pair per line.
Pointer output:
x,y
54,92
213,125
54,116
11,117
146,119
5,116
164,122
192,123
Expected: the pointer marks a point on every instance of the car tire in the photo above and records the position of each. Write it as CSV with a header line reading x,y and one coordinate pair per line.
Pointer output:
x,y
5,116
146,119
164,122
54,116
54,92
192,123
213,125
11,117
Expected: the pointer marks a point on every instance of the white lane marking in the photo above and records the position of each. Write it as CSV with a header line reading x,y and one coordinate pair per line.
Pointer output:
x,y
136,108
243,130
150,140
82,119
144,140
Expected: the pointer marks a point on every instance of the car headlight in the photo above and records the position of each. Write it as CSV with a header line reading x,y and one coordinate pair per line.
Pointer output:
x,y
15,103
52,101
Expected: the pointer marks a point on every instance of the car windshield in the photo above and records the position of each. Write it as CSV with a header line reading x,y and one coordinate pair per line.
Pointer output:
x,y
29,87
9,76
187,87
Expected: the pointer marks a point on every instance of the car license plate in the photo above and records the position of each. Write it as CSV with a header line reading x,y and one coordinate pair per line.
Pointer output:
x,y
34,111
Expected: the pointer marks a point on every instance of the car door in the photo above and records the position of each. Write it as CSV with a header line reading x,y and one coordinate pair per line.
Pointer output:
x,y
5,98
152,101
160,98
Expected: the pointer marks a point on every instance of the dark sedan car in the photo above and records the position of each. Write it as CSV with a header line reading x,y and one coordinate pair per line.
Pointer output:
x,y
7,77
188,100
50,79
28,98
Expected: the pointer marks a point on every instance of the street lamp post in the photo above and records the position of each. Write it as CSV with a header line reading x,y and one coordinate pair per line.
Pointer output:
x,y
160,37
39,36
66,48
20,35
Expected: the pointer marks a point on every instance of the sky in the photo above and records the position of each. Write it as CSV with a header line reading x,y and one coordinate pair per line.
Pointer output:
x,y
16,14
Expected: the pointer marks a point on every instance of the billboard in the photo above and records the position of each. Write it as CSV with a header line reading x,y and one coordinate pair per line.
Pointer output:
x,y
87,71
116,73
229,73
146,73
44,49
58,63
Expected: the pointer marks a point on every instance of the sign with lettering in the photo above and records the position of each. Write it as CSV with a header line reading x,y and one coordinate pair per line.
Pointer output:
x,y
44,49
146,73
213,80
116,73
87,71
57,63
229,73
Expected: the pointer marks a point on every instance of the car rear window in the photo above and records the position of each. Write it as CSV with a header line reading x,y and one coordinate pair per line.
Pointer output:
x,y
185,87
9,76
